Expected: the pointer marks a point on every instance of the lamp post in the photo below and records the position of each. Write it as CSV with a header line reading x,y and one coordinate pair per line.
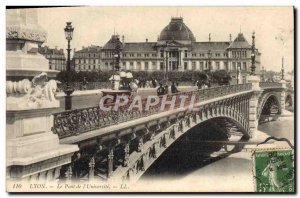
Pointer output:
x,y
263,74
166,62
68,90
253,55
282,71
115,79
209,60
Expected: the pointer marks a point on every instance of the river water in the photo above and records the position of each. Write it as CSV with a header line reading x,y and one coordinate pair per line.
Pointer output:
x,y
183,168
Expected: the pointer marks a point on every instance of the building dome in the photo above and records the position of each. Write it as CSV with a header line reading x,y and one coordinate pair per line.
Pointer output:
x,y
176,30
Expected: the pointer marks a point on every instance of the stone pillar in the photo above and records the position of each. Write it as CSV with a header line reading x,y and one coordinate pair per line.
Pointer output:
x,y
253,104
32,148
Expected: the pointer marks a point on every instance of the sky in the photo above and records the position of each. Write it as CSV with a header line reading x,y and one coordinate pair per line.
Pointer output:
x,y
273,26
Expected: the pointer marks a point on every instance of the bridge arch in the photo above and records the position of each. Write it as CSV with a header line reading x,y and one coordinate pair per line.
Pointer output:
x,y
289,100
267,103
152,150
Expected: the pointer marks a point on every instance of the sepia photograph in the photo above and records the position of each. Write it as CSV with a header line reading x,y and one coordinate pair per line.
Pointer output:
x,y
150,99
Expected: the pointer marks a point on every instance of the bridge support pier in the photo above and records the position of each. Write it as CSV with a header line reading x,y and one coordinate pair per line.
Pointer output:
x,y
33,151
253,104
283,95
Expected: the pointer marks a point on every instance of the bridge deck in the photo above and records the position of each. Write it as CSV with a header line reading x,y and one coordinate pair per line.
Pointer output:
x,y
140,121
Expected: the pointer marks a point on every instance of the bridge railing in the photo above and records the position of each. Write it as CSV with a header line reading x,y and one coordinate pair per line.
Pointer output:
x,y
78,121
87,86
270,84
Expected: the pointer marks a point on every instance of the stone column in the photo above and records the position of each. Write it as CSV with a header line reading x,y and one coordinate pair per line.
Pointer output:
x,y
32,148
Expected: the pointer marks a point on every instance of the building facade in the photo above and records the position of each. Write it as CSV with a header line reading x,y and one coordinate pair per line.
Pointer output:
x,y
176,49
88,58
56,57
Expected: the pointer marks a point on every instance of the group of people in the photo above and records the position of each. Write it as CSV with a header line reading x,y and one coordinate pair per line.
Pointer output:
x,y
153,83
163,90
201,84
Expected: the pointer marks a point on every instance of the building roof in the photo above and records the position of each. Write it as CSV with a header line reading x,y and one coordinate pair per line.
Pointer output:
x,y
112,43
89,49
46,50
141,46
176,30
214,46
240,42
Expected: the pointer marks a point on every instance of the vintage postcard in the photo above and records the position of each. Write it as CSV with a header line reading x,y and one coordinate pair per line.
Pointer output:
x,y
150,99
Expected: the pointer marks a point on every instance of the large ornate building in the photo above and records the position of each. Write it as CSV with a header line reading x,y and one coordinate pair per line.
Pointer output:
x,y
175,49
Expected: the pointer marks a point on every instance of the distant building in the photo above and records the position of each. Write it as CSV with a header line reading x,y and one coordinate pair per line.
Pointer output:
x,y
56,57
176,49
88,58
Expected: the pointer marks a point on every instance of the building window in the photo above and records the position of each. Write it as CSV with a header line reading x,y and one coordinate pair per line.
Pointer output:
x,y
194,54
153,55
131,55
146,66
139,55
161,65
201,66
226,66
239,66
161,53
217,65
185,53
153,63
131,66
234,66
146,55
193,65
124,55
185,65
244,66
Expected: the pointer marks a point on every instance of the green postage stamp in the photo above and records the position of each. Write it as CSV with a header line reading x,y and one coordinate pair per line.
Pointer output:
x,y
274,170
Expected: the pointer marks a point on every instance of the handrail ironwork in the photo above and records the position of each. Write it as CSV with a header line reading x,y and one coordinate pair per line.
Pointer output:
x,y
78,121
270,85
